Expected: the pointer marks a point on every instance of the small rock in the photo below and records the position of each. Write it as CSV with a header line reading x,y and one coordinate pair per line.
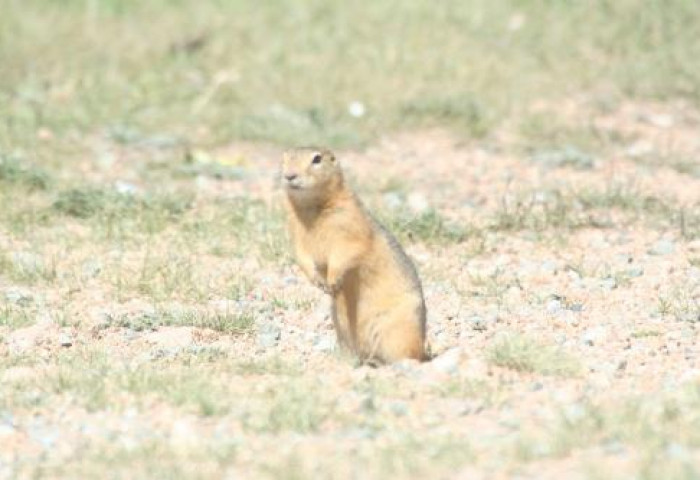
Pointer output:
x,y
477,323
549,266
105,159
357,109
678,452
324,343
18,296
694,245
125,188
65,339
476,368
268,334
91,268
608,283
392,200
170,337
576,307
575,412
407,367
554,306
694,273
593,335
663,247
568,156
613,447
688,332
448,362
515,23
399,408
640,149
623,259
661,120
634,271
183,434
417,202
6,430
367,403
691,316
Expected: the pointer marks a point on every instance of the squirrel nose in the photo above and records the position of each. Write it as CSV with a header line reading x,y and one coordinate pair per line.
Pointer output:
x,y
290,177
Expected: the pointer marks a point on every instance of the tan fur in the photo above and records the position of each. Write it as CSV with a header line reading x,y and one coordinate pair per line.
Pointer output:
x,y
377,300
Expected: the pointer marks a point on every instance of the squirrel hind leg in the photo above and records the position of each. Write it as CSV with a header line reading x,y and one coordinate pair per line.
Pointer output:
x,y
400,340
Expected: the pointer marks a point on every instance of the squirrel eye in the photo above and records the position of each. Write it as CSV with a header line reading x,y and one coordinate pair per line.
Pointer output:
x,y
316,160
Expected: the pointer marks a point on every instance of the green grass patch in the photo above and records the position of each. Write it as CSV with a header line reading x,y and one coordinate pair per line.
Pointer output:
x,y
662,428
429,227
288,408
241,227
196,379
13,316
523,354
88,202
229,323
14,171
147,459
681,304
27,267
197,78
549,209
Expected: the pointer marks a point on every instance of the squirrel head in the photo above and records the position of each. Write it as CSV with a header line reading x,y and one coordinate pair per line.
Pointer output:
x,y
310,173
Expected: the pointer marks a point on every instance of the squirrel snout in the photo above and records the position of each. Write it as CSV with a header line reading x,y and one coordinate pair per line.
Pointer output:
x,y
290,177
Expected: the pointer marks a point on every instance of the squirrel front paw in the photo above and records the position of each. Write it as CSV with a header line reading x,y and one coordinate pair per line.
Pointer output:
x,y
319,282
328,289
334,287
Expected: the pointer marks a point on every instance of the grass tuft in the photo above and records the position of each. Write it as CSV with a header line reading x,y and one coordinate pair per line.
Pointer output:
x,y
88,202
428,227
526,355
14,171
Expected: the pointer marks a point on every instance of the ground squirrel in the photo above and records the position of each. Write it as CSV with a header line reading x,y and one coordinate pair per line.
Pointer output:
x,y
378,309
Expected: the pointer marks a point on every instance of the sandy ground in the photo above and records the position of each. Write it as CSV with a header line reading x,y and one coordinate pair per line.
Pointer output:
x,y
619,294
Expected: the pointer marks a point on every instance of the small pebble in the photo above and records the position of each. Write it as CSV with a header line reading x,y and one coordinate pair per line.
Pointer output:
x,y
553,306
477,323
635,271
18,296
576,307
357,109
663,247
392,200
65,339
417,203
593,335
608,283
448,362
324,343
268,335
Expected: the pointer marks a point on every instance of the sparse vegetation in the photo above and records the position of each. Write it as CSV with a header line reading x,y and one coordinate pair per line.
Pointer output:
x,y
13,171
537,159
90,202
526,355
14,317
429,227
231,323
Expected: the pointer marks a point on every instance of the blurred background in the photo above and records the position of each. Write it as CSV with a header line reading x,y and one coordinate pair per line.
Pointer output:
x,y
335,73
